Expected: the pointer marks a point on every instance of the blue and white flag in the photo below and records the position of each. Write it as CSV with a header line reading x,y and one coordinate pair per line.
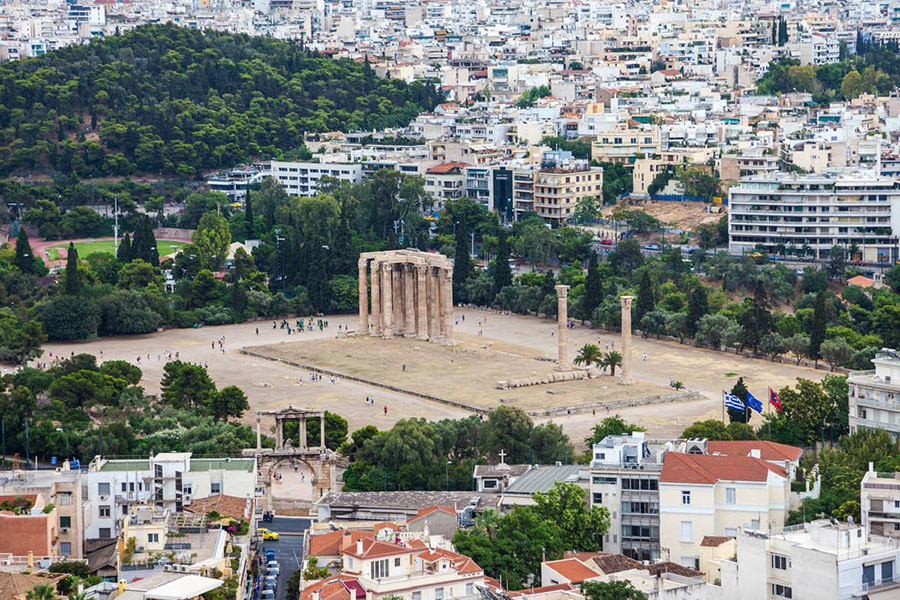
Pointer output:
x,y
733,402
754,403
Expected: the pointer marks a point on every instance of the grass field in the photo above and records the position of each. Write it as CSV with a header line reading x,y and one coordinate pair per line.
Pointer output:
x,y
106,246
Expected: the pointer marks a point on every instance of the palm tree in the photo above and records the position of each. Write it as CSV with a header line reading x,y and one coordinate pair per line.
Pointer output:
x,y
612,359
588,355
41,592
78,596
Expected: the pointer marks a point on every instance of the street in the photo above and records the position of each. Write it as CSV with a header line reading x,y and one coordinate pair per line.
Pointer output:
x,y
288,549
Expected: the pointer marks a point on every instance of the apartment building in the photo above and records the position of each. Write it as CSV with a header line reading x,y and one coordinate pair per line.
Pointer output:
x,y
29,526
625,480
561,183
67,521
445,182
879,503
302,178
625,145
703,495
874,395
235,182
821,560
816,212
169,480
523,191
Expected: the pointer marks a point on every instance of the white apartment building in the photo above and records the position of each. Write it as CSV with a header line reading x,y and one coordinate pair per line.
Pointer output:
x,y
625,479
821,560
302,178
874,395
234,182
169,480
816,212
879,503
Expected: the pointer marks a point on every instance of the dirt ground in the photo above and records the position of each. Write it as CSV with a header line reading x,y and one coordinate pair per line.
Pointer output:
x,y
466,372
274,385
681,215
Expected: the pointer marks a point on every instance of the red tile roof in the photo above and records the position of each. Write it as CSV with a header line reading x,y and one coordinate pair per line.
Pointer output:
x,y
709,468
714,541
377,548
861,281
559,587
615,563
767,450
424,512
572,569
329,544
447,167
332,588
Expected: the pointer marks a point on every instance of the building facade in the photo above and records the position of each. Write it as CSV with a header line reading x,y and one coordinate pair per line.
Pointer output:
x,y
302,178
874,401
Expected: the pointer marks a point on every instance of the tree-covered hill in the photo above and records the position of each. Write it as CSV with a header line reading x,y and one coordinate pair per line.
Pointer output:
x,y
167,99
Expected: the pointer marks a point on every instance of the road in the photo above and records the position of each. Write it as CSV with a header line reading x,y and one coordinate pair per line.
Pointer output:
x,y
288,549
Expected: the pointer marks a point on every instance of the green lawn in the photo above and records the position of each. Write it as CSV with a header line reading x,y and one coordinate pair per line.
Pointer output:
x,y
106,246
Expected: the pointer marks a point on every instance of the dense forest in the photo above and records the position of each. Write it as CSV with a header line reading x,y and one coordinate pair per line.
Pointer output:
x,y
173,100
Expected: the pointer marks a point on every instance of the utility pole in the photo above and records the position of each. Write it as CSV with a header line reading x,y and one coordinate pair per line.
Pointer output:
x,y
116,223
473,244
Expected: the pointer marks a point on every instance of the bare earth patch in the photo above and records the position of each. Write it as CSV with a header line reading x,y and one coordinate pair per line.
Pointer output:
x,y
466,372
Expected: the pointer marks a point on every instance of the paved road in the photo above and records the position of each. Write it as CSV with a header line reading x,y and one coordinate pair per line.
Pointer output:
x,y
288,549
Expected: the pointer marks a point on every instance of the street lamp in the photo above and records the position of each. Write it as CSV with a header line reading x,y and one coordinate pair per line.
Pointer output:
x,y
447,474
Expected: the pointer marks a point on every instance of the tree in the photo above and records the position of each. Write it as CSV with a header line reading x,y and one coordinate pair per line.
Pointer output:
x,y
41,592
508,429
836,352
698,306
621,589
204,289
73,277
229,402
187,386
313,570
69,317
294,581
138,275
711,330
837,262
712,429
646,299
24,259
612,359
808,407
614,425
593,288
772,345
655,322
817,335
740,390
123,252
589,355
852,85
462,261
587,209
756,320
550,444
566,505
212,239
501,273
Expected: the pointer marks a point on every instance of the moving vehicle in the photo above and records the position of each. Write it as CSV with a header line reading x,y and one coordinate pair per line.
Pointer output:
x,y
267,534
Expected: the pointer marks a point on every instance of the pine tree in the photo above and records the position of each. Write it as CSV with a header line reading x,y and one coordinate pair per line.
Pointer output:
x,y
24,260
73,277
502,276
462,262
698,306
248,215
646,299
317,277
124,252
817,335
593,289
757,320
739,390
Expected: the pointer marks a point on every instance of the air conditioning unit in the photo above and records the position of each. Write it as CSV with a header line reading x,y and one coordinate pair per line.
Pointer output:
x,y
64,530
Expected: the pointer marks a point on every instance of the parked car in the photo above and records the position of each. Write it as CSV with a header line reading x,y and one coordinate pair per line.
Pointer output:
x,y
267,595
270,582
272,567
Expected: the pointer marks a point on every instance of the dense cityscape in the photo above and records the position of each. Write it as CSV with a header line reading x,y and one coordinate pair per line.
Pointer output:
x,y
433,300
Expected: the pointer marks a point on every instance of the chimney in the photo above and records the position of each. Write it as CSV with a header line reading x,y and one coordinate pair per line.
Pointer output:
x,y
871,467
359,546
346,540
754,453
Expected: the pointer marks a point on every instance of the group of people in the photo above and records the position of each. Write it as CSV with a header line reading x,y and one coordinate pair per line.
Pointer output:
x,y
317,377
300,325
221,344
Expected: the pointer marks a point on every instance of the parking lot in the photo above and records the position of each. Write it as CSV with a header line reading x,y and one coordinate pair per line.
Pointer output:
x,y
288,549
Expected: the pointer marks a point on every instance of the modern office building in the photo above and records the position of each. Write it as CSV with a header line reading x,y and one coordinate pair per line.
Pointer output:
x,y
874,401
813,213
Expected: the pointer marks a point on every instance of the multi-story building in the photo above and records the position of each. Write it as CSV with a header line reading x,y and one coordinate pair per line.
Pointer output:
x,y
625,480
812,561
169,480
816,212
625,145
69,518
446,182
234,183
703,495
302,178
523,191
879,503
874,395
561,182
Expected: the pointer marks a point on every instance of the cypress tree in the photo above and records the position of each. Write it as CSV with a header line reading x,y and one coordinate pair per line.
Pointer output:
x,y
646,299
502,275
73,277
698,305
24,260
739,390
593,289
462,262
124,253
248,214
817,335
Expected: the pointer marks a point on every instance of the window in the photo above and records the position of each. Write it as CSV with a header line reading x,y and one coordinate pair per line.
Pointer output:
x,y
152,538
417,596
215,488
470,589
868,575
598,498
103,489
105,533
887,571
188,488
65,548
731,532
685,497
379,568
124,510
687,531
439,593
124,486
779,562
65,522
64,498
104,510
730,495
754,524
489,484
690,562
397,562
781,591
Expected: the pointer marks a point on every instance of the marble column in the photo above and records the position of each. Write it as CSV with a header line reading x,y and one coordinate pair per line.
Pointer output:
x,y
322,431
363,298
303,433
446,304
387,300
376,299
258,432
562,327
626,340
409,302
434,303
421,302
279,433
397,298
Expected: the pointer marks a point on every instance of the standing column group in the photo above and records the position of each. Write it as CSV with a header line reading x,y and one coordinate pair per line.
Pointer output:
x,y
412,299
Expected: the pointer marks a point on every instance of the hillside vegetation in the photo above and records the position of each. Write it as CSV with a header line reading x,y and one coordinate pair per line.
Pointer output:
x,y
166,99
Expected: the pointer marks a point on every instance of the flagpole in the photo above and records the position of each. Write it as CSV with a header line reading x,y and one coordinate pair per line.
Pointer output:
x,y
723,408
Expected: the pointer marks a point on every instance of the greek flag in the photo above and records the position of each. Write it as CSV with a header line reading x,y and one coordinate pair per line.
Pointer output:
x,y
754,403
733,402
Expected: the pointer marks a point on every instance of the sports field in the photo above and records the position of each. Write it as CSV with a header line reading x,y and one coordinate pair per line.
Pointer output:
x,y
85,249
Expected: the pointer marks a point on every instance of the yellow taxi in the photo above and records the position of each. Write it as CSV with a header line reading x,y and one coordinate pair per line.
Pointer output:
x,y
267,534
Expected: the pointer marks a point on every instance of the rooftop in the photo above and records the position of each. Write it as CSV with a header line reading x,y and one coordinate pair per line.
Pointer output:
x,y
709,469
405,501
542,479
572,569
767,450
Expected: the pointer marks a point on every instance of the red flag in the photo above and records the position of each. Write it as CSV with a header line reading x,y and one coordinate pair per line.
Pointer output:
x,y
774,400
